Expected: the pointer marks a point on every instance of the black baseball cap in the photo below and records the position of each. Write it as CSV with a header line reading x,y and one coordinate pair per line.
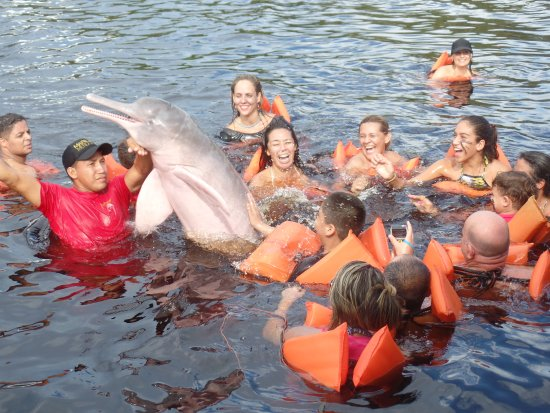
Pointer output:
x,y
83,149
461,44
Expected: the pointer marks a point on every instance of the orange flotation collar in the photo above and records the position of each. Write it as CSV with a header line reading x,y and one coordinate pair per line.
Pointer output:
x,y
541,276
454,187
374,238
529,224
278,108
325,356
350,249
254,166
518,253
113,167
437,260
275,257
446,304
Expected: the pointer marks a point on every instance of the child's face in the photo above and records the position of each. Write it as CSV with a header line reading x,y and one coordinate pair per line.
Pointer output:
x,y
500,203
320,222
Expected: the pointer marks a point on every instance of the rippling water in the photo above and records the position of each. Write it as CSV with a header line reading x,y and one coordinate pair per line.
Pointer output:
x,y
78,337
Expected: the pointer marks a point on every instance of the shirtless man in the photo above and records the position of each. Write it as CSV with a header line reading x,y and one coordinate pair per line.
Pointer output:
x,y
16,142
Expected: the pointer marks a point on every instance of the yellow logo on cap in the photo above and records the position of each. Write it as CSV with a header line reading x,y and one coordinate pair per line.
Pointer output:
x,y
82,144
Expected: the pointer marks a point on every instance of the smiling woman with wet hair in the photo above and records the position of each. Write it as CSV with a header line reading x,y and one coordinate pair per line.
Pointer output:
x,y
475,162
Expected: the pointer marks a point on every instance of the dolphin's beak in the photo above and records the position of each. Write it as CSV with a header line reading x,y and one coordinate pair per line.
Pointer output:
x,y
125,119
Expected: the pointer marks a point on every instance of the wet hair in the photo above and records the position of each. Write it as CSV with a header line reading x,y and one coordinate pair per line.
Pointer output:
x,y
278,122
361,296
257,87
126,158
411,278
540,165
484,131
7,122
345,211
384,125
518,186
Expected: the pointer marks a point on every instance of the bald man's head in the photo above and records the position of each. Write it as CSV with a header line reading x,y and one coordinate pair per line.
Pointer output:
x,y
485,240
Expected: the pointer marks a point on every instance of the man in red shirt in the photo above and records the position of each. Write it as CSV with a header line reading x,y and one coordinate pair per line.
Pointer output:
x,y
92,212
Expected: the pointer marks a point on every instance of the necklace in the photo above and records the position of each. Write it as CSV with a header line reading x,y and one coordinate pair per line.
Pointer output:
x,y
245,126
543,207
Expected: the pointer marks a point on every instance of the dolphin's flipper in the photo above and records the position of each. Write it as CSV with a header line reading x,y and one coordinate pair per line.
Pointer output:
x,y
152,206
212,196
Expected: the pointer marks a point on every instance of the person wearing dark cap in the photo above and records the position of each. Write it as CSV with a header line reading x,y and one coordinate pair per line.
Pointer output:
x,y
461,68
92,212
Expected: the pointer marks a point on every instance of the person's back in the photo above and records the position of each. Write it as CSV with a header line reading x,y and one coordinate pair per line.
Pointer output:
x,y
359,296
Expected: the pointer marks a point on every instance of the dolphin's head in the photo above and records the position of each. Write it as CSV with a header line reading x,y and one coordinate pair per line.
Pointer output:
x,y
145,120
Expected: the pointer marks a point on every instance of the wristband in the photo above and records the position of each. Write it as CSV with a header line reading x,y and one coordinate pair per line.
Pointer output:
x,y
393,178
404,241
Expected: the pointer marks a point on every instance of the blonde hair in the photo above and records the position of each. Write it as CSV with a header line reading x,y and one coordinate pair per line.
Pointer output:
x,y
361,297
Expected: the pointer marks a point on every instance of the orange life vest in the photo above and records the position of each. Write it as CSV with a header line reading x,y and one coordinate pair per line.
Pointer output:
x,y
541,276
350,249
529,223
518,253
446,304
275,256
374,238
325,356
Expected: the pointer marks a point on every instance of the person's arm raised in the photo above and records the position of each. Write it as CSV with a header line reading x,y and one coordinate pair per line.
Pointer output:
x,y
26,185
386,170
141,168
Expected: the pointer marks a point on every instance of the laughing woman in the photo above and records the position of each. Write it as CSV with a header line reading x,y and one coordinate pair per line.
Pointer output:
x,y
474,164
280,152
249,120
374,138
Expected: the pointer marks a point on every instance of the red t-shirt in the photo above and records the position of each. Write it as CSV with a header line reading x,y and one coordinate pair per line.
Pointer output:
x,y
87,220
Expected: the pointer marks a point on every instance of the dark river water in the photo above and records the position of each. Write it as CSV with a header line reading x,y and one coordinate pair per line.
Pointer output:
x,y
80,334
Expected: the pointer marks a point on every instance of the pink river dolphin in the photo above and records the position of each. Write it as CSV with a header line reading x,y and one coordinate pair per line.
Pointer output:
x,y
191,177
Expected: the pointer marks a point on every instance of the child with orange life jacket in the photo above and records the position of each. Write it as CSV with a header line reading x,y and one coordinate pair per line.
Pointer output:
x,y
511,190
374,138
359,296
461,67
339,213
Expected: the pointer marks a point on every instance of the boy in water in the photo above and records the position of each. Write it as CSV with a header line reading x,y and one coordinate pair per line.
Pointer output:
x,y
339,213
